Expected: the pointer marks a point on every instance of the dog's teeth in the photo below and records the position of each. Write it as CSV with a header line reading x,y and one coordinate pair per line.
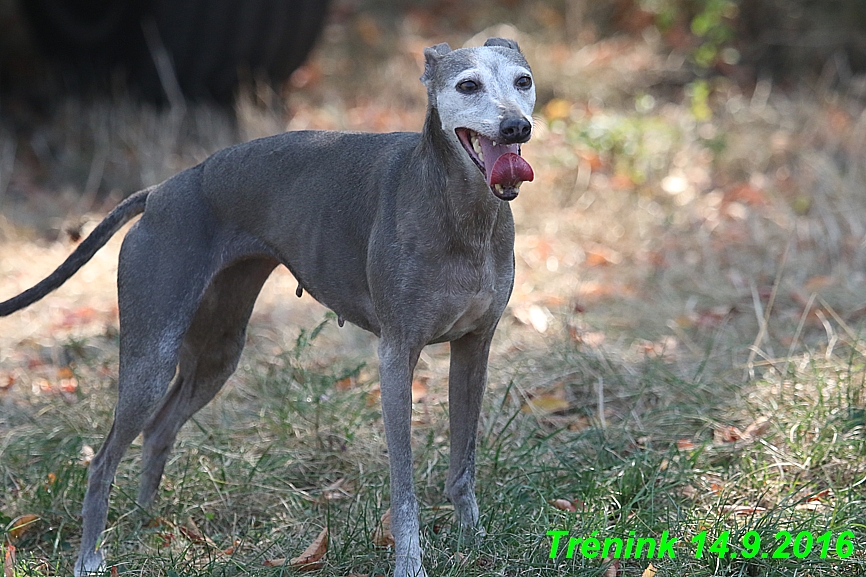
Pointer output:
x,y
480,155
498,187
494,143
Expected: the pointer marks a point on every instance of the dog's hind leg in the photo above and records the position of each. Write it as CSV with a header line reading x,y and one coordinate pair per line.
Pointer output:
x,y
161,278
466,383
208,356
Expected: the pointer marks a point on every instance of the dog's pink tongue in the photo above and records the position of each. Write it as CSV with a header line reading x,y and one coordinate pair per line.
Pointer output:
x,y
510,170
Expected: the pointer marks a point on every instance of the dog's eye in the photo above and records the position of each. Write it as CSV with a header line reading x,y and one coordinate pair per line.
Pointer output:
x,y
468,86
523,82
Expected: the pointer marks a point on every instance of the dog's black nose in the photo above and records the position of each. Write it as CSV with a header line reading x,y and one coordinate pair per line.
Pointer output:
x,y
515,129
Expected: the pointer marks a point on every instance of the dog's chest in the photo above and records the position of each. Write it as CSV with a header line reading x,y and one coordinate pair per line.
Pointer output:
x,y
468,305
474,309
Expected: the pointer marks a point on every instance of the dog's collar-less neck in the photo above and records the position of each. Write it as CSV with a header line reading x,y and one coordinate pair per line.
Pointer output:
x,y
470,206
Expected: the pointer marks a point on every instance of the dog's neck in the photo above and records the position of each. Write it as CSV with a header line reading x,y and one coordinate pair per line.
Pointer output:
x,y
455,183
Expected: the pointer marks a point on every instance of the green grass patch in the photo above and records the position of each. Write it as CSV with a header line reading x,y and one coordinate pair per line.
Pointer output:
x,y
287,451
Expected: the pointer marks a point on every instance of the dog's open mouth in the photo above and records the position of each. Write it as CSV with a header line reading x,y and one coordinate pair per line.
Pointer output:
x,y
501,164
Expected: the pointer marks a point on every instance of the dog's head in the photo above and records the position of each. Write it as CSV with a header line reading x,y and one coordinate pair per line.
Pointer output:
x,y
484,97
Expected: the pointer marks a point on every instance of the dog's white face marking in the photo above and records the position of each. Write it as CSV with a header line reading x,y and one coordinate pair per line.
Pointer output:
x,y
484,98
481,96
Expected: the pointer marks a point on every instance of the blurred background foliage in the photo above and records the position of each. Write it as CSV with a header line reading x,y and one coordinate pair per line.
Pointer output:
x,y
53,47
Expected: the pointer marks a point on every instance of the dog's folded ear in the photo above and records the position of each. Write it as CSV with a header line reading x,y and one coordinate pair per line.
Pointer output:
x,y
504,42
431,55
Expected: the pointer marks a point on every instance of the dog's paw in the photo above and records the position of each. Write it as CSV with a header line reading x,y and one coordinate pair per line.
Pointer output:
x,y
89,564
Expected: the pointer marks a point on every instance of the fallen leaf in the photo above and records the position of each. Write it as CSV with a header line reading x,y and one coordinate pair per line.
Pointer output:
x,y
650,571
310,558
685,445
159,523
21,525
192,533
599,255
820,495
373,396
419,391
382,536
563,505
811,507
747,194
9,562
614,569
345,384
727,434
7,382
757,429
65,373
41,385
69,385
115,572
545,404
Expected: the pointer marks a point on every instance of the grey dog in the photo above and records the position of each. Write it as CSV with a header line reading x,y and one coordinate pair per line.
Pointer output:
x,y
406,235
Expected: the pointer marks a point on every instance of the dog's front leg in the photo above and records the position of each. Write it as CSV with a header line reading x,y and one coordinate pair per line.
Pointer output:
x,y
396,364
466,382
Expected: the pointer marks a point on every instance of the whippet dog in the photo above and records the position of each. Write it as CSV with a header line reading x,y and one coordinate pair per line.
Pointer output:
x,y
406,235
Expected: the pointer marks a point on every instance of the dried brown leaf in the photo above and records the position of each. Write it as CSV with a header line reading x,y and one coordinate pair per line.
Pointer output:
x,y
9,562
21,525
685,445
614,569
382,536
563,505
757,429
551,403
419,391
311,556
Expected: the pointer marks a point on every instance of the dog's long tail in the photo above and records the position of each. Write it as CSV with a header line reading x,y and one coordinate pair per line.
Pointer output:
x,y
123,213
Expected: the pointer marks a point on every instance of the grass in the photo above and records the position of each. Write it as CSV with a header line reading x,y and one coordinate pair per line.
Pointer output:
x,y
288,451
693,248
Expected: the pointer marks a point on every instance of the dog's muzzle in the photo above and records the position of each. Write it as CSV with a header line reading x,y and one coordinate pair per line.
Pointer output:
x,y
500,162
